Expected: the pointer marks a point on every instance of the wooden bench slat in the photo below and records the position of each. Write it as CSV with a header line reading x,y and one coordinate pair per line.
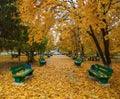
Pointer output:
x,y
102,73
78,61
42,61
23,72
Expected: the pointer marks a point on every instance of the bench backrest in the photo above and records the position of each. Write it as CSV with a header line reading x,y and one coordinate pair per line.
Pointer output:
x,y
79,59
47,54
41,59
18,68
108,71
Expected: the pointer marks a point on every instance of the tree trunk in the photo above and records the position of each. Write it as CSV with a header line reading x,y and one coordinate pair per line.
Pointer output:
x,y
106,48
82,50
97,45
19,54
30,55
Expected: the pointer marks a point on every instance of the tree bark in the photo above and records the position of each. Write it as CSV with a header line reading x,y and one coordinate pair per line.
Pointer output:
x,y
19,54
97,45
106,48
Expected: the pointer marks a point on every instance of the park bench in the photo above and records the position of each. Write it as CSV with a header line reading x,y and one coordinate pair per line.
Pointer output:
x,y
94,58
20,72
74,57
47,54
101,73
14,55
78,61
42,61
69,55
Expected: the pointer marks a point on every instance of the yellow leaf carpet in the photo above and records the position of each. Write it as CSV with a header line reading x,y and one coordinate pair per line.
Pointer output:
x,y
58,79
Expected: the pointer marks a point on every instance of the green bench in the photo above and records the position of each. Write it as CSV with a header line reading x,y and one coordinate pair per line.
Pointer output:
x,y
78,61
74,57
19,73
14,55
69,55
48,55
101,73
42,61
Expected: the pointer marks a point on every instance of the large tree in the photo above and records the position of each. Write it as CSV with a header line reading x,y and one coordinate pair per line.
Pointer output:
x,y
11,30
97,20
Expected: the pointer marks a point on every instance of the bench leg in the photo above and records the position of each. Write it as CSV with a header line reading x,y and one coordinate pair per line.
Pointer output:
x,y
106,84
22,83
91,75
41,64
77,64
19,79
103,80
30,75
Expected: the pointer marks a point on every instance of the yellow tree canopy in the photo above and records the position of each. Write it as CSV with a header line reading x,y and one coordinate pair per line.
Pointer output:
x,y
36,16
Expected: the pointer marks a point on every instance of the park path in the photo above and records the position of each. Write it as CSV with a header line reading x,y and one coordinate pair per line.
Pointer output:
x,y
59,67
66,81
59,79
58,76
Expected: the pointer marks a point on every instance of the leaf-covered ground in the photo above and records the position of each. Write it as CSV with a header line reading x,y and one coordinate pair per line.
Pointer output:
x,y
58,79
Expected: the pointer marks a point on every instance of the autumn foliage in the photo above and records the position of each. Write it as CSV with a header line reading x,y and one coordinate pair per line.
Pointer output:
x,y
58,79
